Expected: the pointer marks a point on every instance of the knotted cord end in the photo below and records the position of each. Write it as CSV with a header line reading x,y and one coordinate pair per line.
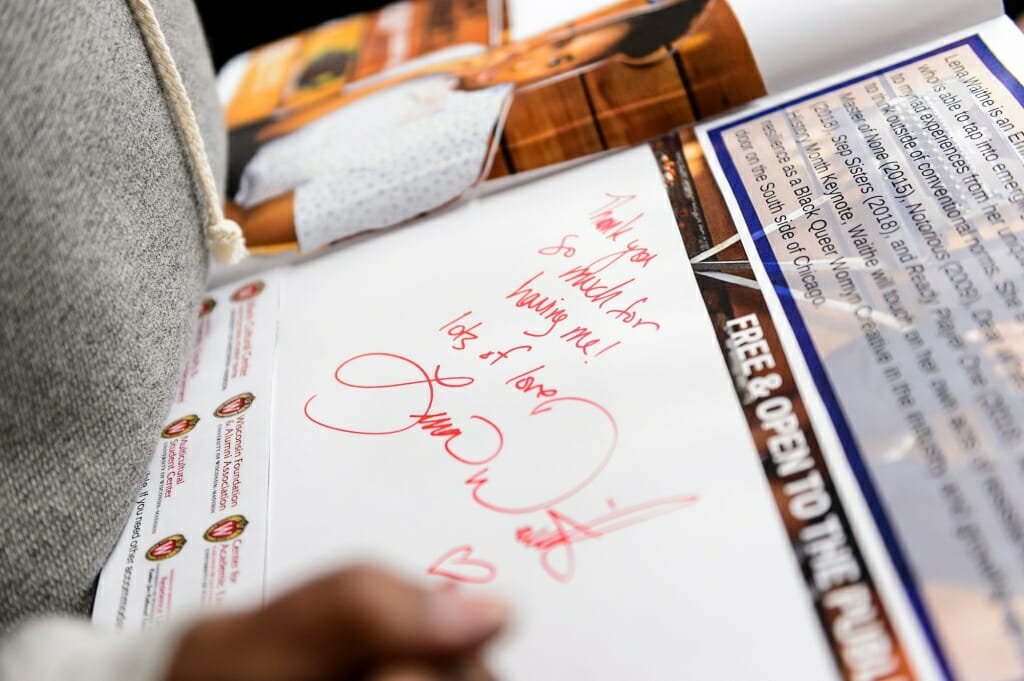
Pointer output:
x,y
226,242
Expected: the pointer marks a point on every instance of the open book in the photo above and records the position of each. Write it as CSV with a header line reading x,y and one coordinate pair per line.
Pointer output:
x,y
745,401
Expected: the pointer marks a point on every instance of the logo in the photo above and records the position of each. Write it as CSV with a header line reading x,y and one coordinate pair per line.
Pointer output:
x,y
180,427
250,290
207,307
166,548
236,405
226,529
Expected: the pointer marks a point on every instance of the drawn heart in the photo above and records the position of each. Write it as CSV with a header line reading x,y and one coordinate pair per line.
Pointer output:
x,y
459,565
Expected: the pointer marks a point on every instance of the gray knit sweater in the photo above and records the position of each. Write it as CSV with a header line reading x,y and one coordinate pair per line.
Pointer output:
x,y
102,263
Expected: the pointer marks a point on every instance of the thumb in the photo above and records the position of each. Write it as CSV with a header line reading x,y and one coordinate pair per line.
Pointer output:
x,y
364,617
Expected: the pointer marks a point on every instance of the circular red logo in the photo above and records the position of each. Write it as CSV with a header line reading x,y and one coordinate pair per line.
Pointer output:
x,y
166,548
236,405
250,290
207,307
180,427
226,529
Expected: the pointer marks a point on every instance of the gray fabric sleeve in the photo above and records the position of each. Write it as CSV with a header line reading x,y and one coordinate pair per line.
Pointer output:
x,y
102,265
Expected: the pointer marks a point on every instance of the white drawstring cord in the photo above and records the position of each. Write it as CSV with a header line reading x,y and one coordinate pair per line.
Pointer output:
x,y
223,236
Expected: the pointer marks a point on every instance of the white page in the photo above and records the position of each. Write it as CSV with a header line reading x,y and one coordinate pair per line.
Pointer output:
x,y
530,17
196,537
675,596
804,40
800,41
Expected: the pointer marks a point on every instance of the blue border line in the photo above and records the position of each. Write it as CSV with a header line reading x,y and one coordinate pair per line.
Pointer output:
x,y
813,359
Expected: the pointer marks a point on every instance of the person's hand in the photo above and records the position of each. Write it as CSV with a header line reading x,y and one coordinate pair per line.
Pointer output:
x,y
360,623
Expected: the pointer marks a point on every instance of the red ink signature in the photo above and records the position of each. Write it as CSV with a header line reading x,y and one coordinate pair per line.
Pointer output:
x,y
593,287
500,355
460,333
555,544
562,249
546,308
439,424
605,222
479,480
585,279
604,219
527,382
628,315
580,336
459,565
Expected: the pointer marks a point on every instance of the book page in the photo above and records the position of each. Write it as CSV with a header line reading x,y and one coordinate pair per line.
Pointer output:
x,y
323,148
739,404
527,395
296,70
884,211
798,42
320,152
196,536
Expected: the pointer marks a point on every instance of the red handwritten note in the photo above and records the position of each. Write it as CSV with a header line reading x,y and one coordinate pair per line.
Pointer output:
x,y
525,395
458,565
